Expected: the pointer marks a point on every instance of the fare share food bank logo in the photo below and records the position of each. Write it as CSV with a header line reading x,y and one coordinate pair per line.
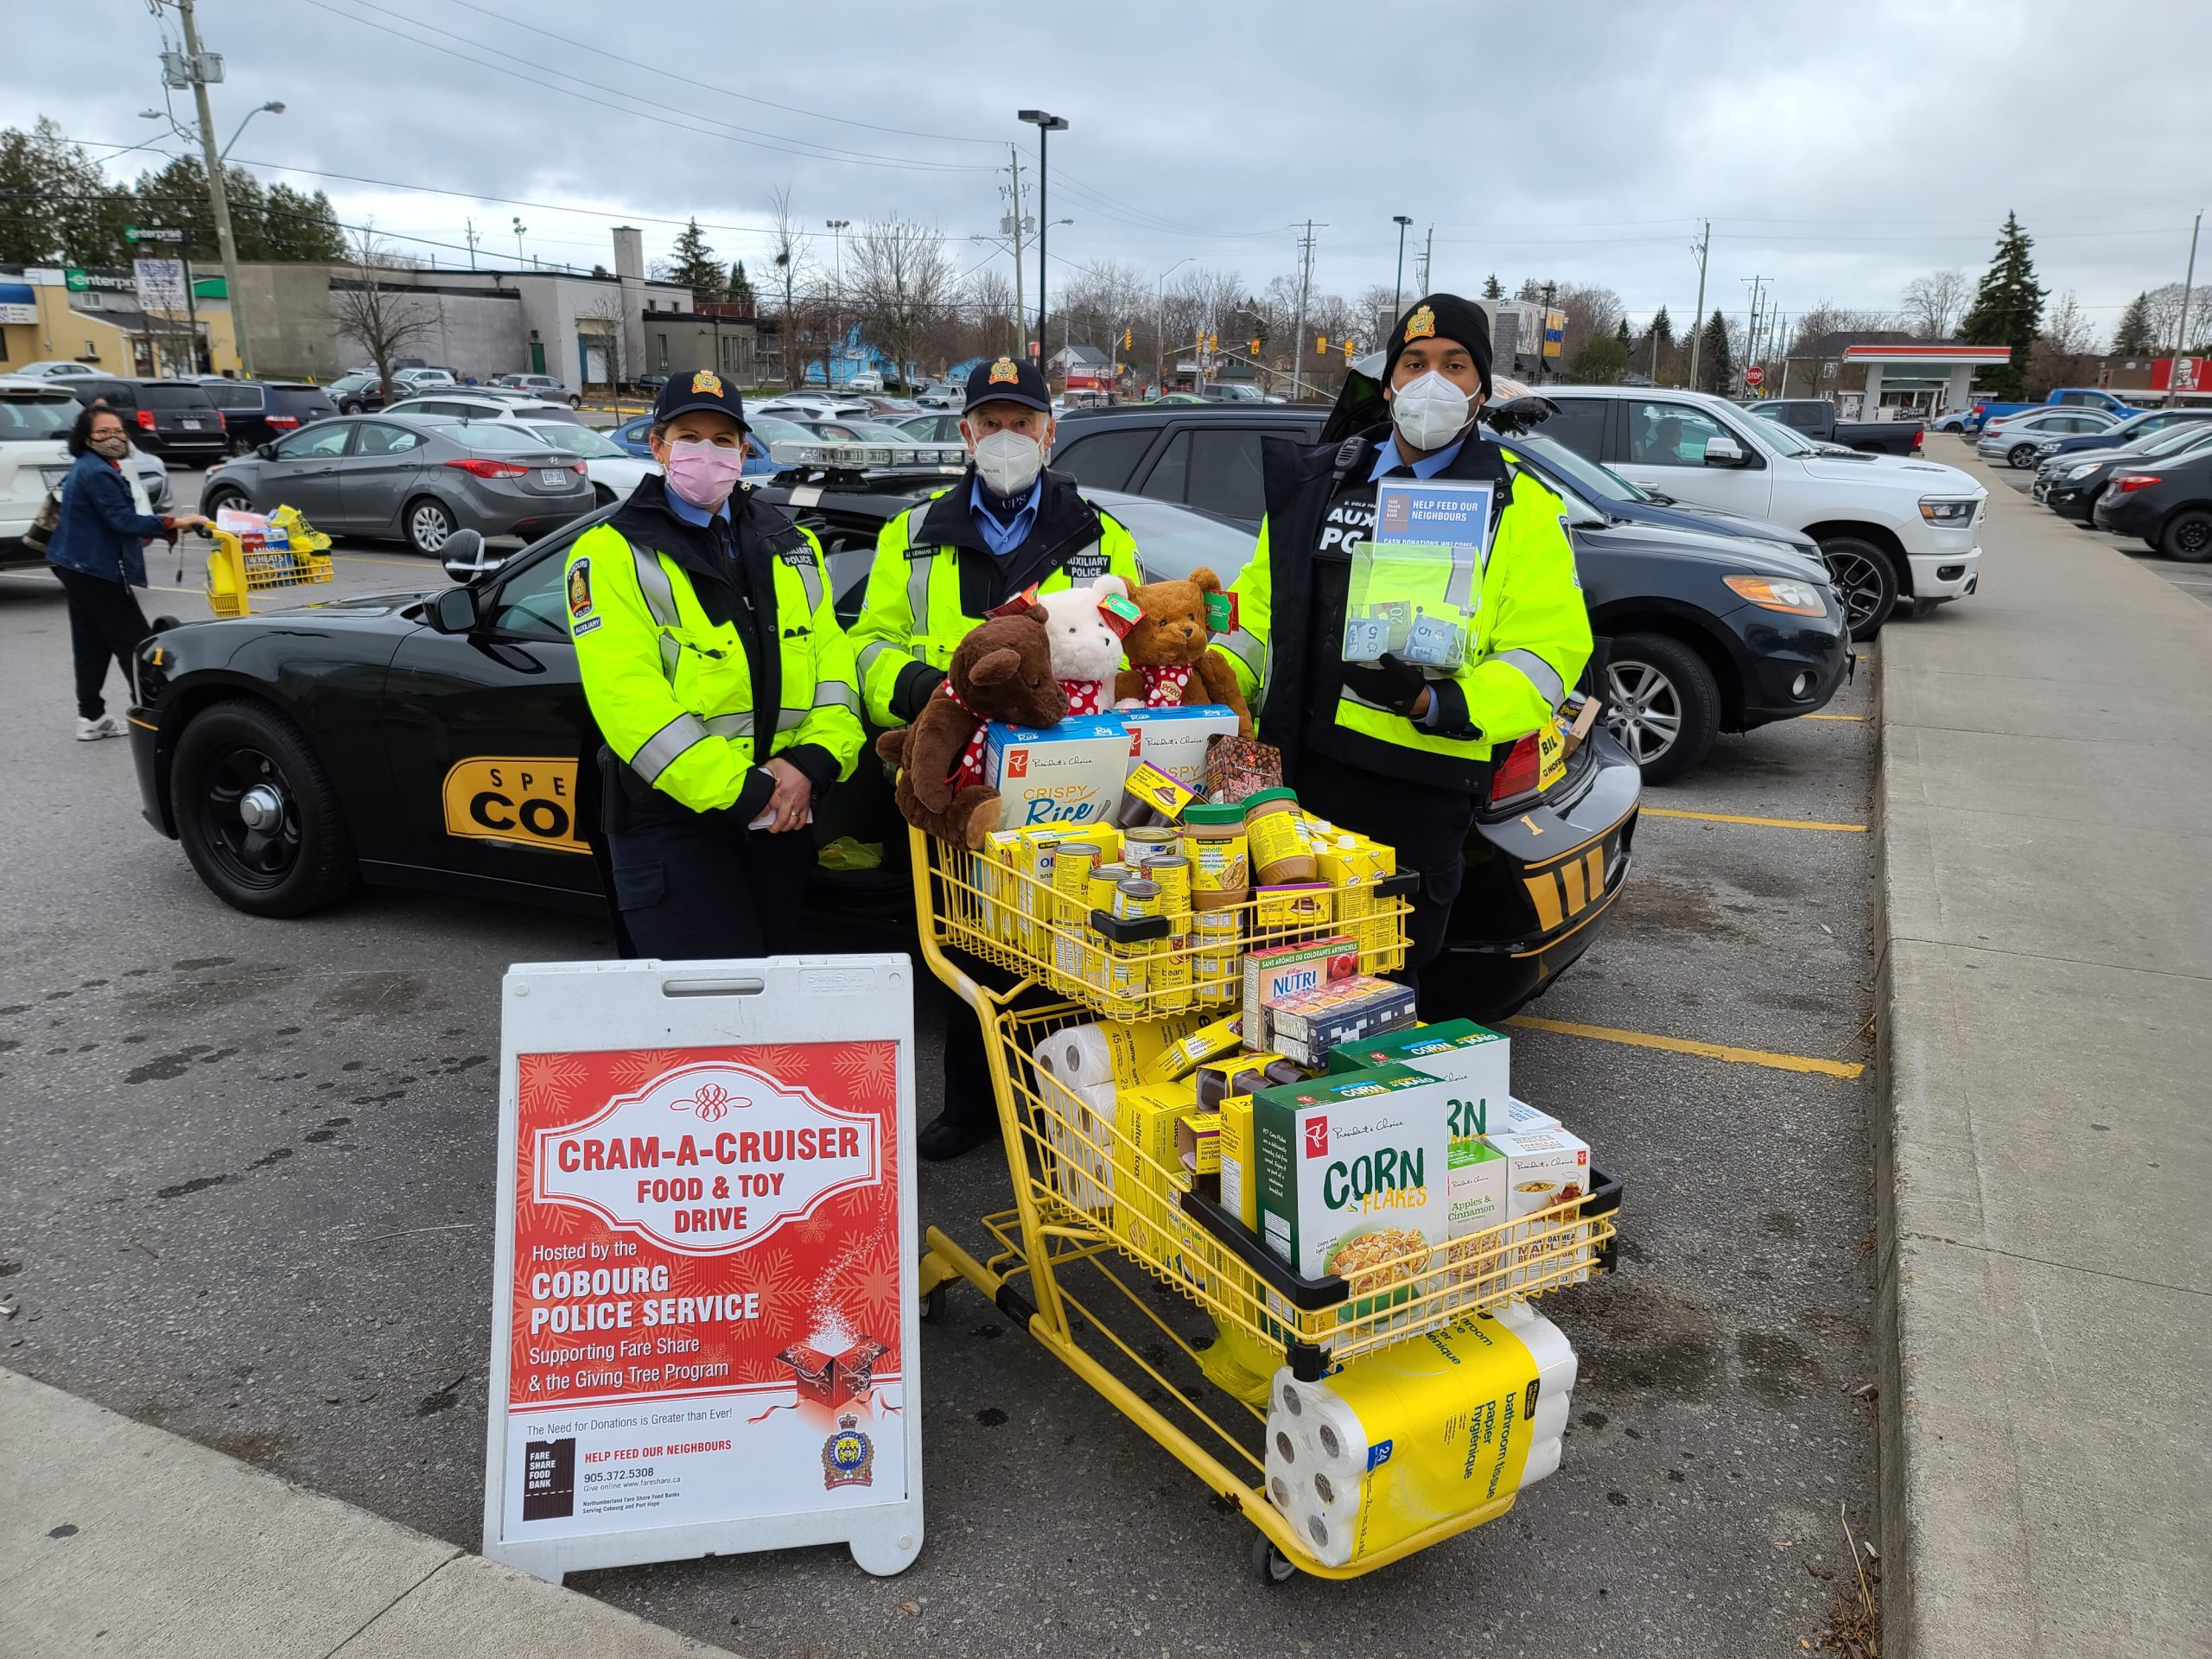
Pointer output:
x,y
707,1158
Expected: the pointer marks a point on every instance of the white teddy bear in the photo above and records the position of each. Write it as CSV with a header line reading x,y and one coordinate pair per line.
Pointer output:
x,y
1086,651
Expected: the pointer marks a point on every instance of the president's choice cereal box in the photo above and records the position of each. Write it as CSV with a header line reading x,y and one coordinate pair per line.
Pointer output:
x,y
1174,739
1351,1174
1068,774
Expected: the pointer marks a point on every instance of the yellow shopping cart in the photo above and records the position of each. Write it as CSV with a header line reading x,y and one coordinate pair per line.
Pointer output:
x,y
242,563
1096,1217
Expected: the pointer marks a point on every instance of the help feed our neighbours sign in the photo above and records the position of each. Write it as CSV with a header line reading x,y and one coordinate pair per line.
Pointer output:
x,y
704,1291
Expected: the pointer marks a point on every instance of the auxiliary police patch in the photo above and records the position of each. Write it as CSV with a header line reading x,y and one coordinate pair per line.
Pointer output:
x,y
1003,373
1421,324
706,382
580,588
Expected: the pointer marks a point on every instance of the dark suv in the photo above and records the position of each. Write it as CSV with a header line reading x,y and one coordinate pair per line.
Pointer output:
x,y
254,411
175,420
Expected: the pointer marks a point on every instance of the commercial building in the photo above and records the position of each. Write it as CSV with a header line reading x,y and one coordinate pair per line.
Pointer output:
x,y
94,316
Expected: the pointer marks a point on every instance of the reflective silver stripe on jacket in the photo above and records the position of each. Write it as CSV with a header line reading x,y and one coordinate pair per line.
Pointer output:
x,y
730,725
917,587
869,653
1541,674
660,602
810,574
659,752
835,693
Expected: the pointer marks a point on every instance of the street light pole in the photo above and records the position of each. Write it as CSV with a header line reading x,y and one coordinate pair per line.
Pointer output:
x,y
195,67
2181,329
1398,287
837,228
272,108
1160,323
1046,124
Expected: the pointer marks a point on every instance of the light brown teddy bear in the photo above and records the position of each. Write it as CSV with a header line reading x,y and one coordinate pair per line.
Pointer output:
x,y
1169,663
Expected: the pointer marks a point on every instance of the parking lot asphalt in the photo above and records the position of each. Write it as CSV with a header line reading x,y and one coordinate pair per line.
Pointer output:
x,y
2195,580
246,1170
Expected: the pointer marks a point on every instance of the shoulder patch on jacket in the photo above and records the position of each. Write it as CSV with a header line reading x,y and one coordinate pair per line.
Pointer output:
x,y
580,588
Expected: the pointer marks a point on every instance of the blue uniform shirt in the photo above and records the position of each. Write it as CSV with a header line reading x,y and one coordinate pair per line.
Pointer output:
x,y
1387,459
1004,535
696,516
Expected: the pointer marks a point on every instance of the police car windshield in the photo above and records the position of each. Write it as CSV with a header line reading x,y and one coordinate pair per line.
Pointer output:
x,y
1600,481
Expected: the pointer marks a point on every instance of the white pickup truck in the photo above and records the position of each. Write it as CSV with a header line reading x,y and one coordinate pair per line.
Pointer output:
x,y
1895,531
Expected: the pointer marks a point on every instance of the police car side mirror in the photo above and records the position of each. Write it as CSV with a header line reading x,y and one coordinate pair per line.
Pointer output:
x,y
453,612
465,557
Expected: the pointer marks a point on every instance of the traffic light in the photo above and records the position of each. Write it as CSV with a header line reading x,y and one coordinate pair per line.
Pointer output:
x,y
1213,342
1321,344
1128,339
1255,345
1347,351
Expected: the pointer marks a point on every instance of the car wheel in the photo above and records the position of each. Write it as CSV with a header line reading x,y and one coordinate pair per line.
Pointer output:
x,y
601,496
257,813
2188,535
428,523
576,402
2019,455
219,500
1865,580
1661,705
238,445
351,406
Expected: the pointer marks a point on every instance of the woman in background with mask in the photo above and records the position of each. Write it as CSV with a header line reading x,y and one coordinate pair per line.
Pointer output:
x,y
939,569
1388,748
722,685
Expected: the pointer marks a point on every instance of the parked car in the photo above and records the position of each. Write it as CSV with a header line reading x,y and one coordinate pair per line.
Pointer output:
x,y
765,430
2168,504
410,477
939,397
1952,420
2122,434
1985,413
543,385
864,380
174,419
2014,441
475,404
1892,530
613,471
355,714
255,412
1815,418
892,409
1693,654
881,445
407,382
812,406
2070,485
36,415
53,369
938,426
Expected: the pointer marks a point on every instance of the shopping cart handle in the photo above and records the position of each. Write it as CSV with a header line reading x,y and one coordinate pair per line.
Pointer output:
x,y
1130,932
1404,885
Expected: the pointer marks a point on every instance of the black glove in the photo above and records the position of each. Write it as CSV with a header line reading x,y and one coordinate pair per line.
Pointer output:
x,y
916,683
1387,683
1520,413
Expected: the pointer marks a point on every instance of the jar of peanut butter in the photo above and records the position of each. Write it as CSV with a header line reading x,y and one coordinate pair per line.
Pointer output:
x,y
1213,840
1276,835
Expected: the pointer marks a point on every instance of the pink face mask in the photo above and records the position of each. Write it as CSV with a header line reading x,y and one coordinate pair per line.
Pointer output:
x,y
703,474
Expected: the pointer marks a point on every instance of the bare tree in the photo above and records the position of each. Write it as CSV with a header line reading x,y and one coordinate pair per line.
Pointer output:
x,y
902,287
789,267
1377,311
2163,305
382,317
1100,300
1593,313
607,313
2065,352
1934,303
988,326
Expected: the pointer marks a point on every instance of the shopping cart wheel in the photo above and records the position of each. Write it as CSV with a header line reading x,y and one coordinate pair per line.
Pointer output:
x,y
1269,1565
933,1304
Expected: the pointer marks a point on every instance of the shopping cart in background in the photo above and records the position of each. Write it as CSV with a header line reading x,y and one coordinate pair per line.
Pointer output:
x,y
291,553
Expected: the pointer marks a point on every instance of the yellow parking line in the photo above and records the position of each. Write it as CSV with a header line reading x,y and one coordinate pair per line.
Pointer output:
x,y
1844,1069
1764,823
1849,717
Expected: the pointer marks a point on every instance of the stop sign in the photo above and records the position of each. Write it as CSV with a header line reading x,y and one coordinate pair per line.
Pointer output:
x,y
1755,377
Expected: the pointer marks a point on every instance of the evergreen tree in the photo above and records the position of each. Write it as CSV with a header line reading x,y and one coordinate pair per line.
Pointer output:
x,y
302,226
1715,368
2131,338
1492,288
1531,290
56,204
1621,333
696,267
2007,310
1663,326
740,285
1601,362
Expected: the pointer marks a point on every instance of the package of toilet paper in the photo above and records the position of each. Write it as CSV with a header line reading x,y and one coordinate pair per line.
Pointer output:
x,y
1076,1082
1420,1432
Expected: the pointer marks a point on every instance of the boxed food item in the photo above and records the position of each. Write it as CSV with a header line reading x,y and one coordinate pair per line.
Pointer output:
x,y
1216,1080
1197,1144
1070,774
1352,1172
1475,1190
1279,969
1452,1050
1174,739
1518,1117
1240,1195
1307,1024
1147,1163
1544,1167
1181,1057
1293,910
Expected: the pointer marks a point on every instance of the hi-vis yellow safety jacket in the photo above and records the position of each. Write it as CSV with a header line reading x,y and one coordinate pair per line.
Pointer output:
x,y
935,577
1532,628
696,672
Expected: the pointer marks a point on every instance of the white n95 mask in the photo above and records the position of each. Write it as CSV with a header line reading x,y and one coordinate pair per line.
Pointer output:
x,y
1430,411
1008,462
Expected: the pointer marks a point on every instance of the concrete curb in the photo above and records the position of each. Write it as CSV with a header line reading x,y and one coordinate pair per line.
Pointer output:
x,y
115,1537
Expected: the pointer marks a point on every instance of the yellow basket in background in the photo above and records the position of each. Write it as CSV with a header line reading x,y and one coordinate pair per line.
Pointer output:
x,y
240,564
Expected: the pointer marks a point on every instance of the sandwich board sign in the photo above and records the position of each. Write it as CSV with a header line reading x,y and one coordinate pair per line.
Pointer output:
x,y
703,1333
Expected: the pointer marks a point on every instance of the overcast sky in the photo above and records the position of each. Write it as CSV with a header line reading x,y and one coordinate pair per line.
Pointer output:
x,y
1839,149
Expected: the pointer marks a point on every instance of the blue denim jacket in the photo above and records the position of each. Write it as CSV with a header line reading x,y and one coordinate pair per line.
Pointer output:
x,y
102,533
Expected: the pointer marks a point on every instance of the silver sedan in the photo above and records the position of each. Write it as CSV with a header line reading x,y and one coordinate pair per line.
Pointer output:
x,y
410,477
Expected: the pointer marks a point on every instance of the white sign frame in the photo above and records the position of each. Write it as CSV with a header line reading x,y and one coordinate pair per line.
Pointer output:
x,y
573,1006
160,284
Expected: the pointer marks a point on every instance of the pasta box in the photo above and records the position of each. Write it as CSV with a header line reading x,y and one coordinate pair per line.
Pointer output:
x,y
1068,774
1351,1171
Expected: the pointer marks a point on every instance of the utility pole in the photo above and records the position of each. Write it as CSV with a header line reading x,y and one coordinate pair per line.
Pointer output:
x,y
1427,247
1398,287
837,227
1544,331
2181,329
471,238
1014,224
1751,328
520,259
1304,286
1697,322
196,65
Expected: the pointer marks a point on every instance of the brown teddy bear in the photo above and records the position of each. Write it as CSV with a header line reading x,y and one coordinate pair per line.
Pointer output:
x,y
1169,663
1002,670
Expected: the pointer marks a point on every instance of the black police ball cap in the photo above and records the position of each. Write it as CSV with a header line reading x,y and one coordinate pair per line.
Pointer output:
x,y
703,389
1443,316
1006,381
